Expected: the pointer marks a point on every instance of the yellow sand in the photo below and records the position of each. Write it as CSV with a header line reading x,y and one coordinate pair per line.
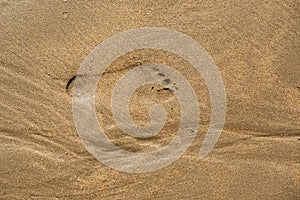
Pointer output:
x,y
255,45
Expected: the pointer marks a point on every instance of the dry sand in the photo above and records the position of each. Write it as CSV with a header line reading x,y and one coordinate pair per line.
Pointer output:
x,y
255,45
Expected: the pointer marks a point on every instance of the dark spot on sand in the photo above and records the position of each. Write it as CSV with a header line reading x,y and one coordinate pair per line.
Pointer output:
x,y
174,84
69,82
155,69
164,89
167,81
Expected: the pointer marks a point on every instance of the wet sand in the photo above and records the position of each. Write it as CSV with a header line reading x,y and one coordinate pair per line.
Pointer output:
x,y
255,46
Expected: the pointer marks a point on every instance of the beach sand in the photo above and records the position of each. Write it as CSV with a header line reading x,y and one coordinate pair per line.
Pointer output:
x,y
255,45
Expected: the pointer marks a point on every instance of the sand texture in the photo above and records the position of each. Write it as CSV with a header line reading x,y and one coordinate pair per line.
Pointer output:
x,y
255,45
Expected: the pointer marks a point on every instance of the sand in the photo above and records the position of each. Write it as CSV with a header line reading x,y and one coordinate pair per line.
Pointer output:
x,y
255,45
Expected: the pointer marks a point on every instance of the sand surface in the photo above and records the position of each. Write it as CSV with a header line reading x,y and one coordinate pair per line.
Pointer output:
x,y
255,45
